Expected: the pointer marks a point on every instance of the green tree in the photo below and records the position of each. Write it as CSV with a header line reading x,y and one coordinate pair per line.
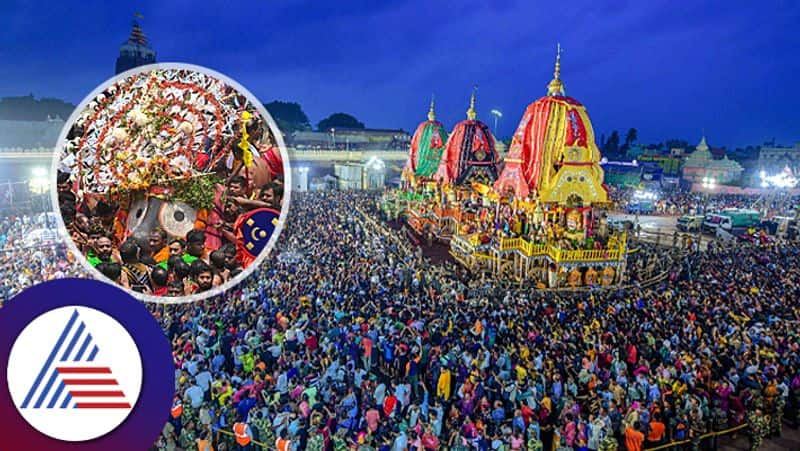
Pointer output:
x,y
611,146
289,116
676,144
342,120
631,137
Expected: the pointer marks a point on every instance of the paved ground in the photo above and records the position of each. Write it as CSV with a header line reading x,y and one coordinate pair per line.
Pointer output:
x,y
658,228
790,440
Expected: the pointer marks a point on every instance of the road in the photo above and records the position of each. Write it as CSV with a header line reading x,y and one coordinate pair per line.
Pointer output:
x,y
650,223
657,228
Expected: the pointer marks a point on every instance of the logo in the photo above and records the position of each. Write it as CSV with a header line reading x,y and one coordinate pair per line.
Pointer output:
x,y
254,229
87,367
88,378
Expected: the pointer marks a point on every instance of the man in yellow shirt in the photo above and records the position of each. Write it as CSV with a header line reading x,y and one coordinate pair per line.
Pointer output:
x,y
443,385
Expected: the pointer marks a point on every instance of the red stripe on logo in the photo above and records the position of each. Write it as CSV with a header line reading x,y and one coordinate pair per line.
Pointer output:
x,y
71,370
97,394
90,381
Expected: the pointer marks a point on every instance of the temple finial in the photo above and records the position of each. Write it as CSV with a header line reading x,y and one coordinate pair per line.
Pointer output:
x,y
431,114
556,86
557,72
471,114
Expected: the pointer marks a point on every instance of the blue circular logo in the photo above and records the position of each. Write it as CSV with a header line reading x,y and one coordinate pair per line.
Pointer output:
x,y
86,367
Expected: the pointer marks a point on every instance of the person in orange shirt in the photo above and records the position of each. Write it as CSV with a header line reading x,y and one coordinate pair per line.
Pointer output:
x,y
366,345
633,437
158,245
657,428
282,443
204,442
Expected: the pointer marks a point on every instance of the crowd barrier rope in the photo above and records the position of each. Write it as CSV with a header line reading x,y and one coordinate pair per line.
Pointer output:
x,y
702,437
657,448
252,442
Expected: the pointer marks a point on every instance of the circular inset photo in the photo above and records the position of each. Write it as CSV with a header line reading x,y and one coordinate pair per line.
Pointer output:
x,y
172,182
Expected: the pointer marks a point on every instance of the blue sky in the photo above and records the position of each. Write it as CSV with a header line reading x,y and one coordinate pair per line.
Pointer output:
x,y
668,68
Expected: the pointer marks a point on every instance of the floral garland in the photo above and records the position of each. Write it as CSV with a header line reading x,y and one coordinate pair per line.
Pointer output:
x,y
162,128
196,192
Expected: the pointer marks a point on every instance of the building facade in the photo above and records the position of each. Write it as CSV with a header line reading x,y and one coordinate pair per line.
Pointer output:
x,y
700,165
773,159
136,51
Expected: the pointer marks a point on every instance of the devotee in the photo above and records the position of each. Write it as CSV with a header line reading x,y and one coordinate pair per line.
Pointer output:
x,y
153,186
102,248
346,336
158,245
137,273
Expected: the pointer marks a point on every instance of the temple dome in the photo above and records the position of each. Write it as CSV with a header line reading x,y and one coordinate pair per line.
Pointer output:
x,y
427,146
470,154
553,152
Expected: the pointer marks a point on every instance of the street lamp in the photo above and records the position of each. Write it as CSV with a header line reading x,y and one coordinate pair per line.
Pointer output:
x,y
333,137
38,183
375,173
497,115
709,183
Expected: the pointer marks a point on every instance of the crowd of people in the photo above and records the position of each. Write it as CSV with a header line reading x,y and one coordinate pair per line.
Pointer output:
x,y
348,339
24,261
355,343
162,263
680,202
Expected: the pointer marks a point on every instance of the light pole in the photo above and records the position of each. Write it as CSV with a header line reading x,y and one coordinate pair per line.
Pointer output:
x,y
497,115
709,183
333,138
38,183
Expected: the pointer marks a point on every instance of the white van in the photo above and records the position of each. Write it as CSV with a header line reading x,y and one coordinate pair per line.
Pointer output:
x,y
713,221
40,236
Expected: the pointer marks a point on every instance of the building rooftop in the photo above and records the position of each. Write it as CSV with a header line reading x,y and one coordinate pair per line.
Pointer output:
x,y
30,134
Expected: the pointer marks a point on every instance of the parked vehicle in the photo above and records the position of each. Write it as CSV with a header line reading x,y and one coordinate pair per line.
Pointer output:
x,y
690,223
783,227
640,207
40,236
619,224
742,218
732,220
711,223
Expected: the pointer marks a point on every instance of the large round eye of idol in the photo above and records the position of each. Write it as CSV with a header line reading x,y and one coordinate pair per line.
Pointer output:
x,y
176,218
137,214
160,149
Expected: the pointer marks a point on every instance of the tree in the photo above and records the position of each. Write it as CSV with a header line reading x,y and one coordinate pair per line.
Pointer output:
x,y
612,144
631,137
342,120
676,144
288,115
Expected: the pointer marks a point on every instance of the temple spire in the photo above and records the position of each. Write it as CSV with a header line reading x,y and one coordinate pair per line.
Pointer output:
x,y
471,114
136,50
431,113
556,86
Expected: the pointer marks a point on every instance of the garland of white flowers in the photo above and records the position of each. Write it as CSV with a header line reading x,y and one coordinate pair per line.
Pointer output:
x,y
156,128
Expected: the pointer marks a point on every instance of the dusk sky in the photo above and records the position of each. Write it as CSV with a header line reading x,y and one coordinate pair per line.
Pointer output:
x,y
669,69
